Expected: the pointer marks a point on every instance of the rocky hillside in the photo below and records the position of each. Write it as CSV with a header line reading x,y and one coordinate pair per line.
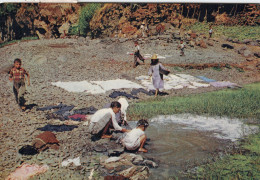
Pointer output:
x,y
126,19
54,20
43,20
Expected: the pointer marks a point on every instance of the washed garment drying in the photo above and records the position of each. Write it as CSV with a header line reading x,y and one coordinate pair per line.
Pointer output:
x,y
115,94
26,171
57,128
142,90
205,79
223,84
28,150
51,107
78,117
87,110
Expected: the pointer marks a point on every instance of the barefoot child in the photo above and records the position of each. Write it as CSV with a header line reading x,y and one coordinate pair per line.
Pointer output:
x,y
17,75
104,119
182,46
136,138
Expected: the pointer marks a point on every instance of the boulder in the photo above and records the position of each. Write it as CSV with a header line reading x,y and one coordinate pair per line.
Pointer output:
x,y
254,43
247,53
210,43
241,50
193,35
246,41
141,174
192,43
203,44
150,163
115,152
257,54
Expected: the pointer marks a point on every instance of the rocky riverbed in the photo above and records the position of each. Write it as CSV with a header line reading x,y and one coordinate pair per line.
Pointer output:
x,y
78,59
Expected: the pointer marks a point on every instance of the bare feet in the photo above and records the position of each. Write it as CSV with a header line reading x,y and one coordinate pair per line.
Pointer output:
x,y
142,150
23,108
106,136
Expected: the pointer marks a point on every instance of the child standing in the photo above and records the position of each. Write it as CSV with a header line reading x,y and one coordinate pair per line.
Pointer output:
x,y
210,31
137,55
17,75
136,138
182,46
154,71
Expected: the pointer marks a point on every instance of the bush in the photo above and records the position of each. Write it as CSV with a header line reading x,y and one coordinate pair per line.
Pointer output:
x,y
86,15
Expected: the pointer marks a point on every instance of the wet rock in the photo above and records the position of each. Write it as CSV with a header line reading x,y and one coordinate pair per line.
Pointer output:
x,y
149,163
142,173
100,148
113,159
115,152
128,172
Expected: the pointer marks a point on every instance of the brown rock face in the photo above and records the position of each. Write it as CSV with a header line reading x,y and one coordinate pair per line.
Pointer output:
x,y
45,20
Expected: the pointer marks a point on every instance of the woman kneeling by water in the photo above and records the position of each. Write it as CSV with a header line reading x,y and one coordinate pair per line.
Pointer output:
x,y
136,137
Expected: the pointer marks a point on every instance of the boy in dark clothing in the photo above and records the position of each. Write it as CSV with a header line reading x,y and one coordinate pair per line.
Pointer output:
x,y
137,55
17,75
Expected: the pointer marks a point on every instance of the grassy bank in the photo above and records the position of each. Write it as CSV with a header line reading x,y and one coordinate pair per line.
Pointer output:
x,y
240,103
243,164
239,32
15,41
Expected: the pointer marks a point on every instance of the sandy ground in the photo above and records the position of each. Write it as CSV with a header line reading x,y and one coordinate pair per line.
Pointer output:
x,y
84,59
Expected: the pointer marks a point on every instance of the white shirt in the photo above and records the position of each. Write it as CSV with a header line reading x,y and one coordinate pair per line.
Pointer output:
x,y
124,106
132,139
103,112
137,48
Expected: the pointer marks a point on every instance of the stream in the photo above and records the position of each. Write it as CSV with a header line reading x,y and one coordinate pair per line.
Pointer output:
x,y
179,142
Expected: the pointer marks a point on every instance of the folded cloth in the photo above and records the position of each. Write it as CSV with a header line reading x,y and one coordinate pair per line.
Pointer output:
x,y
26,171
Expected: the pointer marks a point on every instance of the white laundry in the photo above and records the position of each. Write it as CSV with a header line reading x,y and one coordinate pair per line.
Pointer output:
x,y
75,161
177,81
96,87
116,84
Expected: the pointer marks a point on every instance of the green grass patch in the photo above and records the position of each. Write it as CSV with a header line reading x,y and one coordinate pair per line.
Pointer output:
x,y
239,103
243,165
239,32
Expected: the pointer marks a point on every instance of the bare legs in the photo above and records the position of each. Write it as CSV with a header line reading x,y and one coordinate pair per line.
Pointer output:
x,y
156,92
142,141
105,130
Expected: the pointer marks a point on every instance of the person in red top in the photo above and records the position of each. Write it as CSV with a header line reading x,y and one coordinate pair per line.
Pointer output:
x,y
17,75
